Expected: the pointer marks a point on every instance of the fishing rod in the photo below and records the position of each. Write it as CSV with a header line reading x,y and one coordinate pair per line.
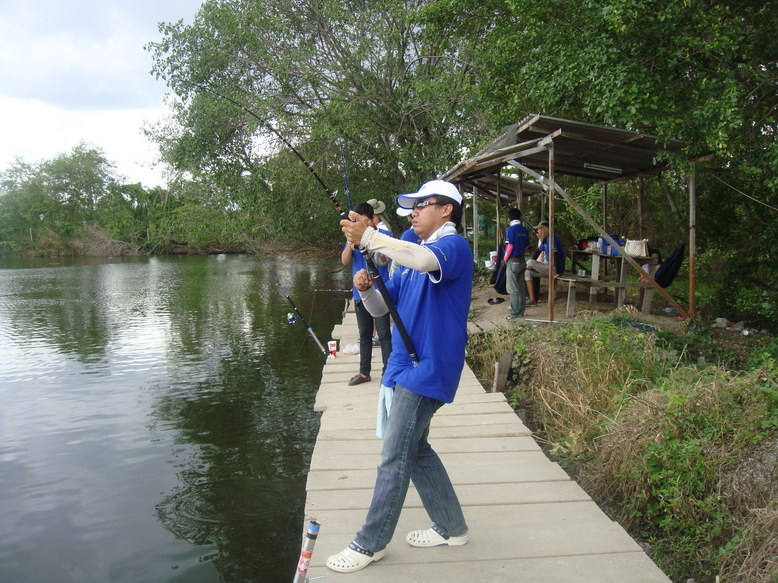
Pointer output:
x,y
372,270
291,316
292,320
304,562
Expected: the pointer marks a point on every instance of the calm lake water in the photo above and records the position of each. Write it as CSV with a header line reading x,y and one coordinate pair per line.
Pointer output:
x,y
156,416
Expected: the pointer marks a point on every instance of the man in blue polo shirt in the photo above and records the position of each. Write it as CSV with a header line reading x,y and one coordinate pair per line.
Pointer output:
x,y
431,291
365,321
516,243
539,265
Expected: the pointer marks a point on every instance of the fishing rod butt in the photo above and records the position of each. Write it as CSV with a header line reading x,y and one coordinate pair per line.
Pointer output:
x,y
309,540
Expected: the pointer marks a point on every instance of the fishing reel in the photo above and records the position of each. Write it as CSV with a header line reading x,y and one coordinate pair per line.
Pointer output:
x,y
380,259
291,318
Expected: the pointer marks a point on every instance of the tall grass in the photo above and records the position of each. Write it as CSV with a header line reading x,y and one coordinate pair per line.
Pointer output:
x,y
657,441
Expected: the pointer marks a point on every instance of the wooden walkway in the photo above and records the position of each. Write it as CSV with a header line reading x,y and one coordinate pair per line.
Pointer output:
x,y
528,521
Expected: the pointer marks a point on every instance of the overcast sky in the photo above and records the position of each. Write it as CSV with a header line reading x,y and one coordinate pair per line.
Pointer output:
x,y
77,71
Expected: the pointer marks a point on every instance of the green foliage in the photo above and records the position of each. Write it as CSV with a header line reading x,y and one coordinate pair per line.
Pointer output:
x,y
52,199
709,420
329,76
481,274
699,340
622,62
765,356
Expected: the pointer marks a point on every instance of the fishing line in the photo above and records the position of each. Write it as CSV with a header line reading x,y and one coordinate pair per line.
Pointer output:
x,y
744,194
372,270
345,176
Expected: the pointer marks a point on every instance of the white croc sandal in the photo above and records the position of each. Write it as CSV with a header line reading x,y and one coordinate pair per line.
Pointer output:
x,y
432,538
349,560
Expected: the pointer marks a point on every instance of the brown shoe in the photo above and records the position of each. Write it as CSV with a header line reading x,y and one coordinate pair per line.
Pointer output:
x,y
358,379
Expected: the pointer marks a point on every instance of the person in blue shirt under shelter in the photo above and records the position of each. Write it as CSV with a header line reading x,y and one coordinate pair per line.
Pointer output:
x,y
431,291
538,266
516,245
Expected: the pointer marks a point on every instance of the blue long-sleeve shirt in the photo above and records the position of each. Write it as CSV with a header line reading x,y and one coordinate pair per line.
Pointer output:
x,y
559,253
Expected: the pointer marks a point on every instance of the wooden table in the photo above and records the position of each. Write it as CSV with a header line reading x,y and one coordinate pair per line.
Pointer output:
x,y
620,270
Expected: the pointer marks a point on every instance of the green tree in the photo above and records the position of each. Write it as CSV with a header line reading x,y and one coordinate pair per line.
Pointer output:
x,y
24,207
700,72
46,202
359,76
77,181
46,206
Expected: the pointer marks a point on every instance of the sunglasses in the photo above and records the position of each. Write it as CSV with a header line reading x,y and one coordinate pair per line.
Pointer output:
x,y
425,203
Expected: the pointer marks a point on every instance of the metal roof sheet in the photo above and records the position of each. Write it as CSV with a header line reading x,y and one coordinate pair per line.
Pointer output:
x,y
580,149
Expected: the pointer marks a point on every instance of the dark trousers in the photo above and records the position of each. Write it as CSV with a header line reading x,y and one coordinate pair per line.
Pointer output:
x,y
365,325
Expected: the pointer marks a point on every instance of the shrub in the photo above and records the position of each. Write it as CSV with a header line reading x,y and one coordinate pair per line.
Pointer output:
x,y
656,441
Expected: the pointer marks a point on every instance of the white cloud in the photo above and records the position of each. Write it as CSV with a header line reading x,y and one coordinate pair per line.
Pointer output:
x,y
41,132
77,71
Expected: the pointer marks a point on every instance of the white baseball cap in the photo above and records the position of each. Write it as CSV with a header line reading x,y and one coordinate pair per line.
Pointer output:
x,y
403,212
431,188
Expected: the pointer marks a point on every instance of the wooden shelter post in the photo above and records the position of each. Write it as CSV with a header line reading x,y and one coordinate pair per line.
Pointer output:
x,y
475,223
498,234
605,206
464,214
692,241
551,248
641,205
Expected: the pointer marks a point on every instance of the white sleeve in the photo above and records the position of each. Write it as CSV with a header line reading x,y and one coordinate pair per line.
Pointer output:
x,y
405,253
374,302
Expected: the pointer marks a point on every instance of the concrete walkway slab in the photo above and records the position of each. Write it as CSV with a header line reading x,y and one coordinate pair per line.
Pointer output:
x,y
479,468
462,445
494,430
333,422
602,568
468,494
496,532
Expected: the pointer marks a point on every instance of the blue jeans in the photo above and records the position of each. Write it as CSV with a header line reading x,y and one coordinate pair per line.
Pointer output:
x,y
407,455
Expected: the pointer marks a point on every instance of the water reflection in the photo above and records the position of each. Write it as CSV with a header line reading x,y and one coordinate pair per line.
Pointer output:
x,y
157,418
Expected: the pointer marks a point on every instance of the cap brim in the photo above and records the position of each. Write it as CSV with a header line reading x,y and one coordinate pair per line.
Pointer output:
x,y
431,188
406,200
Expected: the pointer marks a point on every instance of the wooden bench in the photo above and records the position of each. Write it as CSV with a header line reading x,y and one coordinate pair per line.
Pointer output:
x,y
587,282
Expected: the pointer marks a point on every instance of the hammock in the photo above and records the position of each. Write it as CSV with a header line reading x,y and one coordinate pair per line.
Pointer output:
x,y
665,273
